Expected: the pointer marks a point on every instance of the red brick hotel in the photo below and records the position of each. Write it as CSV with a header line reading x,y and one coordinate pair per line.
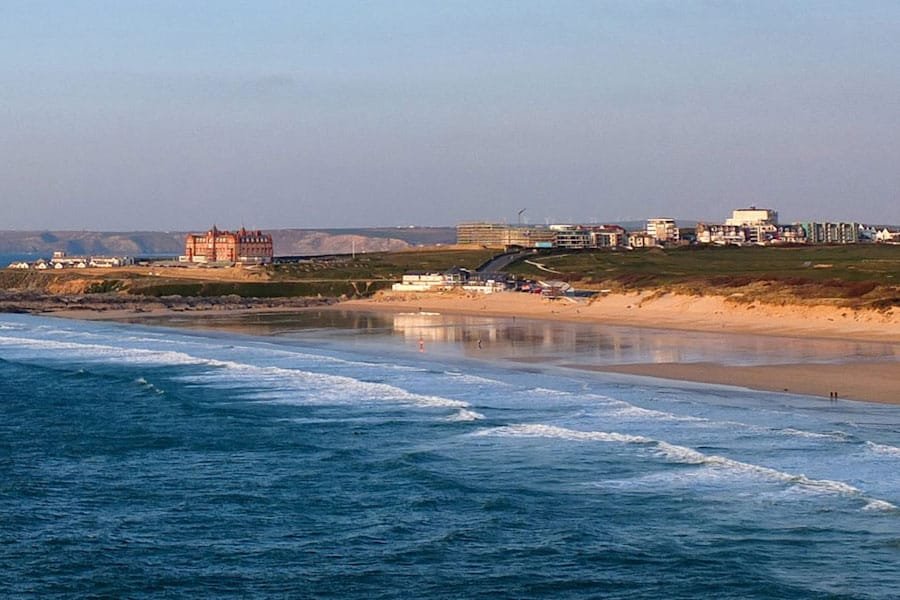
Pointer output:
x,y
242,246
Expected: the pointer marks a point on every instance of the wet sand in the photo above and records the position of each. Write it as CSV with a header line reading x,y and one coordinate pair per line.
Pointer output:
x,y
873,382
664,311
865,377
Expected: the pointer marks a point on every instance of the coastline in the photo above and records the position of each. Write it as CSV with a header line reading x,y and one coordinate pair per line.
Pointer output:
x,y
870,380
713,314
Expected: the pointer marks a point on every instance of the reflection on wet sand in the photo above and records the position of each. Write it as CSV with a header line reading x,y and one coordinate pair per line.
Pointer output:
x,y
545,341
549,342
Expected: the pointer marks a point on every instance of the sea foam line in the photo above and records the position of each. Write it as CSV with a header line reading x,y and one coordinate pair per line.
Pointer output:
x,y
685,455
883,449
335,388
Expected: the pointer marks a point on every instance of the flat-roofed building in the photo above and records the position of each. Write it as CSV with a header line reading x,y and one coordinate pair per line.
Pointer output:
x,y
753,216
663,230
831,233
571,237
501,235
721,234
641,239
608,236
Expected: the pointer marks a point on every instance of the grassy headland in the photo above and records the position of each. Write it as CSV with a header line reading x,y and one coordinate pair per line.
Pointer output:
x,y
859,275
333,277
862,276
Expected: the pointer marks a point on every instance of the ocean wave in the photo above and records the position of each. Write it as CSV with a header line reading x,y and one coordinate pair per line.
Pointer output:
x,y
553,431
883,449
325,388
685,455
465,415
836,436
880,506
459,376
278,383
630,410
146,384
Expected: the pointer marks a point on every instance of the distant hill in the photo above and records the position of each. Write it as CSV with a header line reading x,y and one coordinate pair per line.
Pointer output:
x,y
158,243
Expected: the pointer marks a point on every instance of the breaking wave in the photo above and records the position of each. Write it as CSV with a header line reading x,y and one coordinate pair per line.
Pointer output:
x,y
684,455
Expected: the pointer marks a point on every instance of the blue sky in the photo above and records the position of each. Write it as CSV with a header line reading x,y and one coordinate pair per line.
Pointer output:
x,y
125,115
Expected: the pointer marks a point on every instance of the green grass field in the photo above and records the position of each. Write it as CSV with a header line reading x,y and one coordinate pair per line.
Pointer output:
x,y
387,266
866,274
876,263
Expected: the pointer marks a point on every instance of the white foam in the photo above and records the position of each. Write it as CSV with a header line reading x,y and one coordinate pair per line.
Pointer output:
x,y
144,383
684,455
552,431
883,449
329,388
465,415
838,436
466,378
631,410
548,392
281,383
880,506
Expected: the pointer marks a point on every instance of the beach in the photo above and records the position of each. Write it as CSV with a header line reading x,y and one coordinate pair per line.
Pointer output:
x,y
874,379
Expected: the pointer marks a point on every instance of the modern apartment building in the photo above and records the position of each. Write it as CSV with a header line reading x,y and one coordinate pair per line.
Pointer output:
x,y
663,230
831,233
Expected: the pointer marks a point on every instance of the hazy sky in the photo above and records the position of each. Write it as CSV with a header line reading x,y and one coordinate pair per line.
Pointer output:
x,y
126,114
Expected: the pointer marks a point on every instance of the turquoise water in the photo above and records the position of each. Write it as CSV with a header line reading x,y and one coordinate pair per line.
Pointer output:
x,y
144,462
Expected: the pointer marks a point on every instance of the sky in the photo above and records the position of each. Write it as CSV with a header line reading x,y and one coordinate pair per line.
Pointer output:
x,y
126,115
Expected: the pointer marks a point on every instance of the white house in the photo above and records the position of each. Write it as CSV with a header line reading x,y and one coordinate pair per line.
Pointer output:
x,y
886,236
420,282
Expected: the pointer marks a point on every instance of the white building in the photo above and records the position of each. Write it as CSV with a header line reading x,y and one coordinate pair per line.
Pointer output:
x,y
885,236
107,262
61,260
420,282
750,217
663,230
721,234
639,239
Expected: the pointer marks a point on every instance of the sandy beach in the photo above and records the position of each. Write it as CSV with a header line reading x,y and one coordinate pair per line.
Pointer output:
x,y
664,311
876,381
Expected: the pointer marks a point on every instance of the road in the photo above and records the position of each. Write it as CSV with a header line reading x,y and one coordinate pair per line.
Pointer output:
x,y
500,262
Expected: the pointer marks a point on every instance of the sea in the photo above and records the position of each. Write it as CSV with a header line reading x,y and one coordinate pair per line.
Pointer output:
x,y
351,455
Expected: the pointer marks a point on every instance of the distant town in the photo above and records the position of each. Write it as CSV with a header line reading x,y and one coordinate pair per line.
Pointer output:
x,y
747,226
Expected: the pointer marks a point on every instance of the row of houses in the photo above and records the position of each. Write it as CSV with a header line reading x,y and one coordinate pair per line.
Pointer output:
x,y
479,283
61,260
456,278
746,226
